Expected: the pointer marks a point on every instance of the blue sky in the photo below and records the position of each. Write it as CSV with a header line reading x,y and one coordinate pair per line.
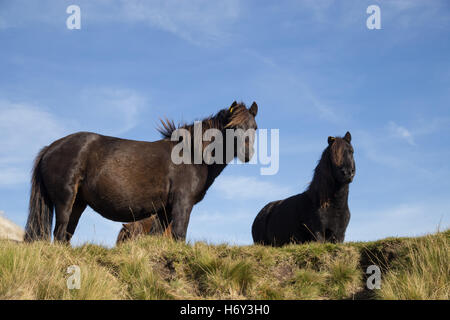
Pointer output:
x,y
313,67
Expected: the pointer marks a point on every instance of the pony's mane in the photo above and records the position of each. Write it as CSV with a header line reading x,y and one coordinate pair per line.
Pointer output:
x,y
323,185
225,118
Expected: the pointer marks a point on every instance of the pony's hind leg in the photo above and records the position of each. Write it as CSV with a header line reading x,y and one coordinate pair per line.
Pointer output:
x,y
63,212
77,209
62,221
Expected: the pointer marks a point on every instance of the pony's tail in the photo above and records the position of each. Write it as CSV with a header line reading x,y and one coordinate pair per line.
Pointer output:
x,y
40,213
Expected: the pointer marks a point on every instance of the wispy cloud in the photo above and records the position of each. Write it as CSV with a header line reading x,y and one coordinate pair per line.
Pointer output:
x,y
372,146
10,175
115,110
243,187
407,219
382,145
220,218
407,13
22,121
201,22
298,85
198,21
233,227
24,129
401,132
27,127
399,13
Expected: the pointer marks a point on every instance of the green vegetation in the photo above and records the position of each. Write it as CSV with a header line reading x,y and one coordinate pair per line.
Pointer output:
x,y
159,268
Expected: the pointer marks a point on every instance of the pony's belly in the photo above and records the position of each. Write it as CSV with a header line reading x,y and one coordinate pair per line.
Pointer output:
x,y
287,227
124,215
124,207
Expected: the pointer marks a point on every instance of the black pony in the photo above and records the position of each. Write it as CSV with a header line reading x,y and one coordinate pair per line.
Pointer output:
x,y
321,212
126,180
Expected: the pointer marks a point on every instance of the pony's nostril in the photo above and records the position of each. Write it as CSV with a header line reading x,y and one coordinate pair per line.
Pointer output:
x,y
348,172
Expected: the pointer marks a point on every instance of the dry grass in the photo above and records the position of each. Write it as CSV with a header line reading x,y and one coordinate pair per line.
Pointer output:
x,y
160,268
9,230
424,272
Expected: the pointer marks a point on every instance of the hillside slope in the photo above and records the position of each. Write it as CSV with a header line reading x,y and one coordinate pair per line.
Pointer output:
x,y
159,268
9,230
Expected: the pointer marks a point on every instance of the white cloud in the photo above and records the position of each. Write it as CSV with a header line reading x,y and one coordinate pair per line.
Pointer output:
x,y
401,132
379,147
299,89
401,13
117,109
242,187
222,217
407,13
408,219
24,129
231,227
198,21
371,146
22,122
318,9
12,175
201,22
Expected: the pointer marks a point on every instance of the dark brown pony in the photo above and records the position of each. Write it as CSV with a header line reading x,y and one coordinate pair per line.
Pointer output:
x,y
126,180
142,227
320,213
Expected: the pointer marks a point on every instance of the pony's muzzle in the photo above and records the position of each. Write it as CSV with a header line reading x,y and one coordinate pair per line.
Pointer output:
x,y
348,174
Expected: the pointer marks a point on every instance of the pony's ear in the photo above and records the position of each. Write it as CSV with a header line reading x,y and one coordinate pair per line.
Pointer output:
x,y
253,109
331,140
348,137
234,104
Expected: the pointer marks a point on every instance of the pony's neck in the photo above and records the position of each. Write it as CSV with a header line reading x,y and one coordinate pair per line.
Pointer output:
x,y
340,198
324,190
213,172
335,195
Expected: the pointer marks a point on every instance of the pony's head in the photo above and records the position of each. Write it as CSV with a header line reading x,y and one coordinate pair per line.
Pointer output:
x,y
236,125
242,122
341,156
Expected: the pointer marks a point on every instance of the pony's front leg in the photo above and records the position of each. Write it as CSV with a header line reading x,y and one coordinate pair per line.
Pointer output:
x,y
320,236
340,237
181,212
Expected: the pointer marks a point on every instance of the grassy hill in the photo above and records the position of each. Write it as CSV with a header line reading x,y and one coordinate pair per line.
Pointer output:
x,y
9,230
159,268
